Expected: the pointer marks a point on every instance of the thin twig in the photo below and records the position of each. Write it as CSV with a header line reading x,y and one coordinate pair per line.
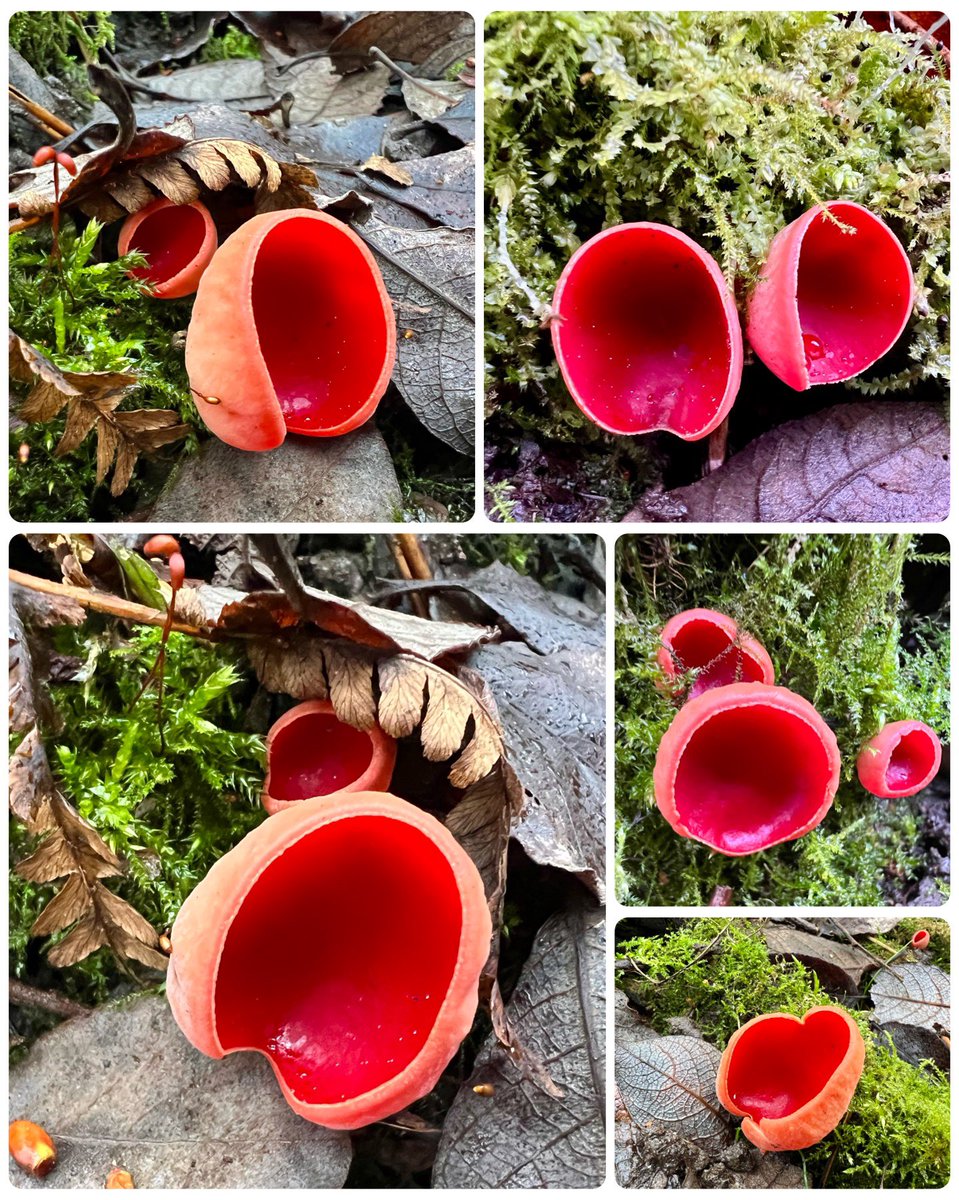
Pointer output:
x,y
32,997
407,270
377,54
410,563
56,124
114,606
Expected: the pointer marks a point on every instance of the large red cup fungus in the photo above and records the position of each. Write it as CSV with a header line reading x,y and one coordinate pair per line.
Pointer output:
x,y
343,939
311,752
178,241
902,759
712,646
292,330
646,332
745,767
791,1078
831,298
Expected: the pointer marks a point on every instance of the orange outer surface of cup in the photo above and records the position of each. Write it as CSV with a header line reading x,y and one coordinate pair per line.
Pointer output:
x,y
773,327
185,282
748,646
820,1115
201,927
223,359
376,777
873,761
737,695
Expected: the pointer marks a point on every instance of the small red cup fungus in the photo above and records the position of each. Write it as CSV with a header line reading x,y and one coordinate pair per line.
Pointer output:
x,y
178,241
343,938
920,939
311,752
832,298
745,767
790,1078
711,645
646,332
902,759
292,331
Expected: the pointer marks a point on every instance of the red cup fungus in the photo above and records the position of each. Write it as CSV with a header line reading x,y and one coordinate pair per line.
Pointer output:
x,y
790,1078
343,938
712,646
902,759
311,752
646,332
920,939
833,297
292,331
178,241
746,766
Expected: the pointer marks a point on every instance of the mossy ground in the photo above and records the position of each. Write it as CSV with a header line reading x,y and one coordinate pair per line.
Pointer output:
x,y
855,623
727,125
898,1129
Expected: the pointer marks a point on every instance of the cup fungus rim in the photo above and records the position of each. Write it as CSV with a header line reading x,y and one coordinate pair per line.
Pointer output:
x,y
239,252
698,711
171,288
202,945
738,639
878,752
792,366
735,351
763,1131
375,778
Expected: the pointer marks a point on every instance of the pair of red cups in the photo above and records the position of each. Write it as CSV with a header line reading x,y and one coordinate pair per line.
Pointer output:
x,y
647,335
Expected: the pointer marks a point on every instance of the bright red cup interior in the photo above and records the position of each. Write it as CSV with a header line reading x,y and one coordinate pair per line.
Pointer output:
x,y
170,238
315,755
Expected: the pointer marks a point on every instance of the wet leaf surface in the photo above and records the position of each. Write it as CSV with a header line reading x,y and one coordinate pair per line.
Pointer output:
x,y
911,994
519,1136
917,1045
839,965
407,37
123,1086
886,461
429,275
670,1083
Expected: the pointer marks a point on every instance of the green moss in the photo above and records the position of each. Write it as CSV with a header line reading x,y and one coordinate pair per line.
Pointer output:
x,y
232,43
718,973
831,612
90,316
169,813
726,125
51,41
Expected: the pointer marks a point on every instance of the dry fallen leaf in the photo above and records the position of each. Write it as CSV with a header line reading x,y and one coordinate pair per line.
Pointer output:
x,y
395,171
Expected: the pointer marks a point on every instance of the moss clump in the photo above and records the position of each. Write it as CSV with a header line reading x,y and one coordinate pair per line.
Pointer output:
x,y
725,125
87,314
897,1130
170,813
46,39
232,43
830,609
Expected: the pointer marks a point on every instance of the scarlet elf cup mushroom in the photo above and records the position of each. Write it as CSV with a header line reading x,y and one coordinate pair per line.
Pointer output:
x,y
178,242
343,939
833,297
311,752
292,331
646,332
746,766
902,759
791,1078
712,647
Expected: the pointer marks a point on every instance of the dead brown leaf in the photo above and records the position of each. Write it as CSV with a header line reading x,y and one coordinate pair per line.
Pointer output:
x,y
395,171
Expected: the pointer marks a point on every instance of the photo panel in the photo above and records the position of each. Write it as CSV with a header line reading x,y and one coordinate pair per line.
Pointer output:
x,y
782,701
782,1052
242,267
716,266
345,797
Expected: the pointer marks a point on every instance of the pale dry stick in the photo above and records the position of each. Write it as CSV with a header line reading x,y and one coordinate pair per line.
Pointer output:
x,y
402,560
33,997
51,122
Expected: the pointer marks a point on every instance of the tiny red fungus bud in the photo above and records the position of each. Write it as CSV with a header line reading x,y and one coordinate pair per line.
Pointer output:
x,y
32,1148
177,570
68,163
920,940
161,546
23,454
44,155
484,1089
118,1178
166,946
